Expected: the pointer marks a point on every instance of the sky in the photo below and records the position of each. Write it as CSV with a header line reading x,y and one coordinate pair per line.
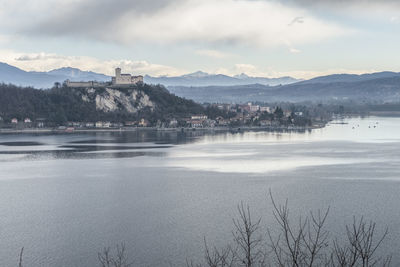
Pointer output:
x,y
269,38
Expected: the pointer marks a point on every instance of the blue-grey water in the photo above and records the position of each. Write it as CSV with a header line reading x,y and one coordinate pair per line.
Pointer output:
x,y
65,197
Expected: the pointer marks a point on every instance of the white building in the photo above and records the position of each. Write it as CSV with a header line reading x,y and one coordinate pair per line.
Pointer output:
x,y
199,117
254,108
125,78
265,109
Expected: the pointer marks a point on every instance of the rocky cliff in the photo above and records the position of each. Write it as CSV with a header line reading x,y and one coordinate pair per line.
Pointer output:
x,y
112,100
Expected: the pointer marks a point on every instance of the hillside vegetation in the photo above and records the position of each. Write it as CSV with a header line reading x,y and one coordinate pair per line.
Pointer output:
x,y
116,104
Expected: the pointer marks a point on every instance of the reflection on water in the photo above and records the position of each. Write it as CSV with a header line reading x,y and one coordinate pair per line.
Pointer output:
x,y
354,142
64,197
199,144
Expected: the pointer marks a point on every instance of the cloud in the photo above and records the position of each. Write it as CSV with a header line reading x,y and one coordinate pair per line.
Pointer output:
x,y
45,62
395,19
240,68
39,56
245,68
343,2
255,23
296,20
76,14
213,54
4,39
294,50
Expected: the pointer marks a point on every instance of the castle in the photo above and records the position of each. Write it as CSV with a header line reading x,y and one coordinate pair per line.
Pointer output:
x,y
125,78
119,79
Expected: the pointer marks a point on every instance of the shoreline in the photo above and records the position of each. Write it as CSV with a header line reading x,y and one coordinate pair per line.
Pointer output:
x,y
136,129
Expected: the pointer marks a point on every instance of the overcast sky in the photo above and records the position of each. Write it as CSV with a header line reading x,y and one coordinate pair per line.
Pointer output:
x,y
172,37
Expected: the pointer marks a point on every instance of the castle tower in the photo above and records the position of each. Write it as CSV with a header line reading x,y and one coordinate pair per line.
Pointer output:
x,y
118,72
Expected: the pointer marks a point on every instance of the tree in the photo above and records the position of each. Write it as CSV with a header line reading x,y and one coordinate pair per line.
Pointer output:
x,y
303,244
120,259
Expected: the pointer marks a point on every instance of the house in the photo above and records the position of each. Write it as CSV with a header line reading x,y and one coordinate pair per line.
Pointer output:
x,y
143,123
27,120
117,124
199,117
130,123
254,108
14,120
265,109
173,123
40,122
103,124
196,123
75,124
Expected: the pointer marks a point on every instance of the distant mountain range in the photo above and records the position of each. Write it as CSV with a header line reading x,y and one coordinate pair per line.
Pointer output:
x,y
334,78
200,78
376,87
14,75
11,74
204,87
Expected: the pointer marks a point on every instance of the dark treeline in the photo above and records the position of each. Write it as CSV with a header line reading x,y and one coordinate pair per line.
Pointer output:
x,y
62,104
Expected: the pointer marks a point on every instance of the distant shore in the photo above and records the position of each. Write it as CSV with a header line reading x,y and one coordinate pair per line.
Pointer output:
x,y
134,129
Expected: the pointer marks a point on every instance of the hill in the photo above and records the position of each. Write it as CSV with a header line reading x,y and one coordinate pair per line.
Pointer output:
x,y
360,89
116,104
14,75
345,78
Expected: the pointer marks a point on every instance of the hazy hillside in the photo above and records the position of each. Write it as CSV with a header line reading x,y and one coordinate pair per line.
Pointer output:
x,y
13,75
382,89
352,77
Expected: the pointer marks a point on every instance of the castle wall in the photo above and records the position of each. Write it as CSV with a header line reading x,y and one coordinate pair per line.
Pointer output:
x,y
85,84
137,79
123,79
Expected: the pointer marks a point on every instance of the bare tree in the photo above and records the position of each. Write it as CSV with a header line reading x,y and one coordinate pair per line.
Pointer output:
x,y
305,243
361,246
107,259
247,238
301,245
20,257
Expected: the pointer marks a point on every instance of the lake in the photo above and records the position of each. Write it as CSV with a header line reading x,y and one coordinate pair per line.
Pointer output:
x,y
64,197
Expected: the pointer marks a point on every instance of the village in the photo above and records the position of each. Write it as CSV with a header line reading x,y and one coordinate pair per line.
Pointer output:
x,y
231,116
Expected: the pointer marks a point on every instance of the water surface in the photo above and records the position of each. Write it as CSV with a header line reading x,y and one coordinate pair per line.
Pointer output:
x,y
64,197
